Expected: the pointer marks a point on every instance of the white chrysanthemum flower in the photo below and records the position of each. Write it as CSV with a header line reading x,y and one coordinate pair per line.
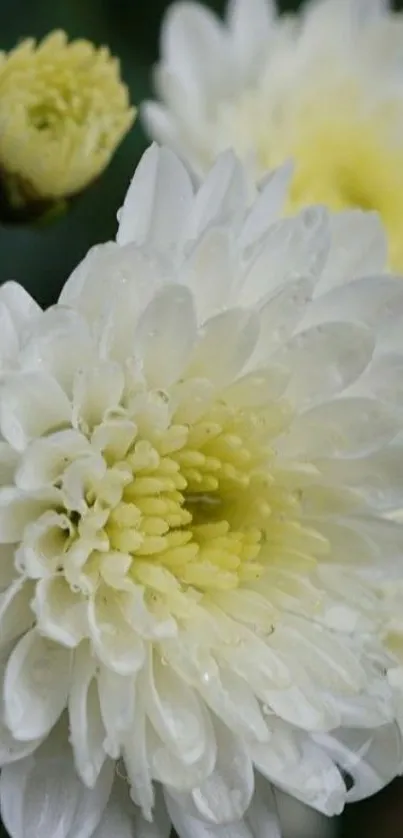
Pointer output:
x,y
323,87
199,446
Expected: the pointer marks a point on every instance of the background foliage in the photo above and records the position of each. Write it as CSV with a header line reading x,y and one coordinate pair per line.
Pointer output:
x,y
42,259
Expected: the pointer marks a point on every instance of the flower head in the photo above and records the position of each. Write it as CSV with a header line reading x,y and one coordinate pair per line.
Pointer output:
x,y
199,446
63,112
323,88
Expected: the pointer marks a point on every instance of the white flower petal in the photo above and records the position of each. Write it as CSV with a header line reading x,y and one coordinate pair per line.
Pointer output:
x,y
176,713
304,771
189,33
209,271
226,344
36,686
221,197
117,702
157,202
279,316
31,404
22,307
9,342
165,335
117,646
45,459
370,758
269,204
114,438
250,25
343,427
172,771
377,477
61,612
147,624
96,391
13,750
159,124
373,300
56,344
189,826
87,731
136,760
226,793
16,615
123,820
291,249
42,795
18,509
335,355
358,249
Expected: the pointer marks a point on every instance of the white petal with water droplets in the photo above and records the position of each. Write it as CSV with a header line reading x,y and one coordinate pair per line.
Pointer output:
x,y
176,713
225,346
324,360
117,646
157,202
165,335
209,272
291,249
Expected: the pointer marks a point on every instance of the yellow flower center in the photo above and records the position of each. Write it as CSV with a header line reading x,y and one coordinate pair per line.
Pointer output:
x,y
347,163
202,505
345,155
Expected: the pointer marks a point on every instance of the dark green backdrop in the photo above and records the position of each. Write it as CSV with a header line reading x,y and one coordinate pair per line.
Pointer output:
x,y
42,260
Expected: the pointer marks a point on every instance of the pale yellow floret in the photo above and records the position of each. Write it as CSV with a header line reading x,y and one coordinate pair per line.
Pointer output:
x,y
204,507
63,112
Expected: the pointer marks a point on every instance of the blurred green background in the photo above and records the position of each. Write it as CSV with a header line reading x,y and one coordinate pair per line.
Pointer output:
x,y
42,260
